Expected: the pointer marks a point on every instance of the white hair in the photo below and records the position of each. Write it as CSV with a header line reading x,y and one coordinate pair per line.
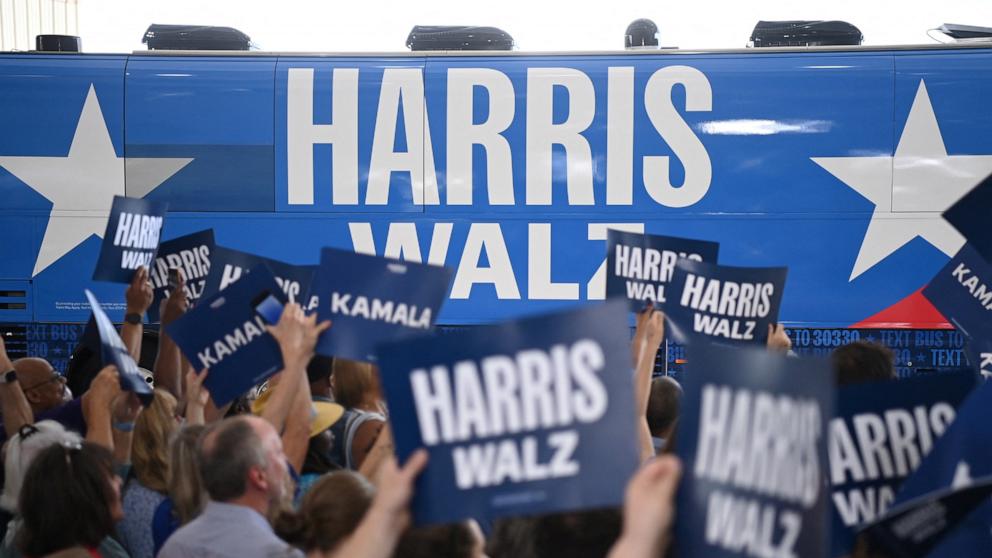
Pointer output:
x,y
21,451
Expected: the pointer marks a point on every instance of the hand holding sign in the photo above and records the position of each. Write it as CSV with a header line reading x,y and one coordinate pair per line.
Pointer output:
x,y
297,335
139,293
649,509
115,352
183,261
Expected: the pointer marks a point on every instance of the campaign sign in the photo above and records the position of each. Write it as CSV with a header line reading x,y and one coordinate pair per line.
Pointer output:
x,y
731,305
962,291
227,266
753,438
640,266
970,216
962,454
114,352
190,256
131,238
371,300
524,417
914,528
879,434
226,334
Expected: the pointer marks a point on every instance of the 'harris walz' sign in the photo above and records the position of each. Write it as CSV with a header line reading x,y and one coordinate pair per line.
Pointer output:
x,y
371,300
722,303
131,238
190,256
641,265
227,266
753,438
878,436
226,335
532,416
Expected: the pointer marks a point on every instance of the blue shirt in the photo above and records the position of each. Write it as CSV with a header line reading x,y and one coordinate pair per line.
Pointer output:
x,y
227,531
135,530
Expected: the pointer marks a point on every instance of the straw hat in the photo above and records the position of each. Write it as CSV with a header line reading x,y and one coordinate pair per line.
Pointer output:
x,y
323,415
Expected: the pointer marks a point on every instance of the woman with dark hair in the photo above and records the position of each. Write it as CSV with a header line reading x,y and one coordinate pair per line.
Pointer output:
x,y
70,499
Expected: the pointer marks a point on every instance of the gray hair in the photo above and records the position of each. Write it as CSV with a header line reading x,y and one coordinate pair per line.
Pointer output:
x,y
21,450
228,451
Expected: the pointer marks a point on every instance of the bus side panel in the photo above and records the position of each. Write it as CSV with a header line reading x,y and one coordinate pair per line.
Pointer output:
x,y
211,121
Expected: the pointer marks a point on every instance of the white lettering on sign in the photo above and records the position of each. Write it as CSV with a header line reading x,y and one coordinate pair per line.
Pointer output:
x,y
216,352
975,286
549,128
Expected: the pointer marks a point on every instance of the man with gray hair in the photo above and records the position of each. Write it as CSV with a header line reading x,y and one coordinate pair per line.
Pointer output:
x,y
245,473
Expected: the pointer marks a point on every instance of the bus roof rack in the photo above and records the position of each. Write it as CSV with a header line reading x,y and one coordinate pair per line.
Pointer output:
x,y
960,32
194,37
458,37
804,33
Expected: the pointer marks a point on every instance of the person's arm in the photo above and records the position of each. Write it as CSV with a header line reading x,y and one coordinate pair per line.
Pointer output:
x,y
139,297
96,405
650,331
126,408
389,515
648,510
296,334
168,362
381,451
14,405
196,397
296,435
365,438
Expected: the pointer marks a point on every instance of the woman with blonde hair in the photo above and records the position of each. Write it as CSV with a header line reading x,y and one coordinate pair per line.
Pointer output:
x,y
187,496
148,483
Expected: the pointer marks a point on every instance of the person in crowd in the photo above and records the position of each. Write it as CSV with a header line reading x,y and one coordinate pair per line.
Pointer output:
x,y
329,512
356,388
778,340
663,409
649,333
863,362
186,494
649,510
70,499
147,485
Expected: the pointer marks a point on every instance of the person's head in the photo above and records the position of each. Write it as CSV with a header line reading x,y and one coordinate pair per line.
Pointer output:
x,y
153,430
21,450
586,533
862,362
663,406
70,497
319,372
43,387
455,540
331,511
356,384
242,462
185,485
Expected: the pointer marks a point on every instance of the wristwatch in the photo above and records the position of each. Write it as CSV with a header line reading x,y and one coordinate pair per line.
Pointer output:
x,y
132,318
10,376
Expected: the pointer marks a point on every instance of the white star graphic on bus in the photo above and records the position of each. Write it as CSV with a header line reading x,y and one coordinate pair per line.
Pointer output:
x,y
81,185
924,181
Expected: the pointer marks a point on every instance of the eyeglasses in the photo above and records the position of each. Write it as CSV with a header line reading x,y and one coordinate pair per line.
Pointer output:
x,y
55,377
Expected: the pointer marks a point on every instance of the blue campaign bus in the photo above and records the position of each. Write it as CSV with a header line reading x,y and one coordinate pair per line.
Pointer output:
x,y
508,167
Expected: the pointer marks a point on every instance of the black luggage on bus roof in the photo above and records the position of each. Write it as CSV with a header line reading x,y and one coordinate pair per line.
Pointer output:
x,y
804,33
194,37
458,37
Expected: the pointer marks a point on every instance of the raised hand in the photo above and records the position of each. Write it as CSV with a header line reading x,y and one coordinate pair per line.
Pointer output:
x,y
139,293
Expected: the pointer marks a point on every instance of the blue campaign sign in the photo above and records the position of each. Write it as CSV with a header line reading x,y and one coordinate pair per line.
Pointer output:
x,y
879,434
525,417
189,255
962,291
114,352
970,216
914,528
979,353
640,266
131,238
732,305
371,300
227,266
960,457
753,437
227,335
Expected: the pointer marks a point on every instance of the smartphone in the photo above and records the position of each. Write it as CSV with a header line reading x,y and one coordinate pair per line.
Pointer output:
x,y
268,307
173,278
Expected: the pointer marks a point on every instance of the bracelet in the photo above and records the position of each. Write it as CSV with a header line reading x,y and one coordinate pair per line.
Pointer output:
x,y
123,426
